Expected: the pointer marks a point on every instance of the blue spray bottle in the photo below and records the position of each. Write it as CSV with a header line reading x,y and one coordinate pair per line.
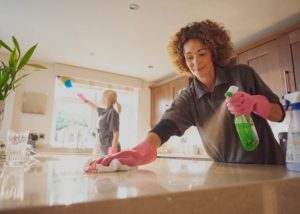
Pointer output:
x,y
293,141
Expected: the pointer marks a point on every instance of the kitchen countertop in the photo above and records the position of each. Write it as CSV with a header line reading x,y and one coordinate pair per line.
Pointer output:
x,y
57,184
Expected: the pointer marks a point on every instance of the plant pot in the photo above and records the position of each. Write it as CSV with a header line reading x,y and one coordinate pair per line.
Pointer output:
x,y
2,106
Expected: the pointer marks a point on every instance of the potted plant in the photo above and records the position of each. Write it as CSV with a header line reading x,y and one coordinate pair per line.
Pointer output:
x,y
11,71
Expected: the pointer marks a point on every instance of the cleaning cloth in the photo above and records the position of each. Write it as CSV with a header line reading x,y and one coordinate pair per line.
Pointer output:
x,y
115,165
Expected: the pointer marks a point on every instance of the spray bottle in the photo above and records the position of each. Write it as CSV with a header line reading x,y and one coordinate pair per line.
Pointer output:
x,y
293,141
244,126
68,83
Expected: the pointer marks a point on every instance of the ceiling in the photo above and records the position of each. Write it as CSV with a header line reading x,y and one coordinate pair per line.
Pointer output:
x,y
106,35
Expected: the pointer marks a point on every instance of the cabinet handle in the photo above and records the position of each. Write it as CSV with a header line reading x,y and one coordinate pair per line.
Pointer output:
x,y
287,81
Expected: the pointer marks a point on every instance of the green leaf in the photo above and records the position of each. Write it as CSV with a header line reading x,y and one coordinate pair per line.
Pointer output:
x,y
3,77
37,66
26,57
9,78
17,46
5,46
6,92
13,59
6,81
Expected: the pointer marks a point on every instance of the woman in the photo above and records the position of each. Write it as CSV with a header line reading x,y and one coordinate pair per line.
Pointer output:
x,y
202,50
108,121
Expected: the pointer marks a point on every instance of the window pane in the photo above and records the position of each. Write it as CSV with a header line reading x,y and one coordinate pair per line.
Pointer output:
x,y
76,123
73,128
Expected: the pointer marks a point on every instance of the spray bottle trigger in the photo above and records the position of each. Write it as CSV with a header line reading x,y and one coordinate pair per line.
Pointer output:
x,y
287,104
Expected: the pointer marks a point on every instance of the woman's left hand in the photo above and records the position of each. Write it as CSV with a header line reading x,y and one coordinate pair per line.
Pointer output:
x,y
243,103
112,150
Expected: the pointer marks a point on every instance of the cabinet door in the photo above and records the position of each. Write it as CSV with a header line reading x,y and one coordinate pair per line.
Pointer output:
x,y
177,85
160,101
162,97
265,61
290,59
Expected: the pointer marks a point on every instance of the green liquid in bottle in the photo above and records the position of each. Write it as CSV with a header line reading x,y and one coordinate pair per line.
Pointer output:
x,y
247,134
245,127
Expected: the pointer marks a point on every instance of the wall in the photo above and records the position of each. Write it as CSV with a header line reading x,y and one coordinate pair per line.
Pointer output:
x,y
44,82
144,111
38,82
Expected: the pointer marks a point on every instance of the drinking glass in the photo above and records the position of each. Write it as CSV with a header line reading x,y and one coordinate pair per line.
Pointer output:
x,y
16,145
12,183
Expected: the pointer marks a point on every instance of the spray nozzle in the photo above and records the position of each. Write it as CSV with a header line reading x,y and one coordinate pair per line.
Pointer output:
x,y
286,105
292,99
231,90
68,83
228,94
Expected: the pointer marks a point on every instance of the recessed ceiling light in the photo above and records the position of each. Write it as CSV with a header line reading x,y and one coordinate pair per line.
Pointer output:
x,y
133,6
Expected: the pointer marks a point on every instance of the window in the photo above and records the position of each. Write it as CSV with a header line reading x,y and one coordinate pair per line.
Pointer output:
x,y
76,123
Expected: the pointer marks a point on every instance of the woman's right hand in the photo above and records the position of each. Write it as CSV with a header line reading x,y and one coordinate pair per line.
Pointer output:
x,y
80,95
143,153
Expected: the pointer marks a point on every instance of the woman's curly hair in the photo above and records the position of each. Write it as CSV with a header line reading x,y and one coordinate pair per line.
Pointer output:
x,y
209,33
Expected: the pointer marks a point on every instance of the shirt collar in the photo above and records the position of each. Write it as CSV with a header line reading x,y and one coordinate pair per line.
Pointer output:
x,y
221,78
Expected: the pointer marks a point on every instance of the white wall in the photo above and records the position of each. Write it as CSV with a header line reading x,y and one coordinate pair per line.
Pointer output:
x,y
144,111
44,82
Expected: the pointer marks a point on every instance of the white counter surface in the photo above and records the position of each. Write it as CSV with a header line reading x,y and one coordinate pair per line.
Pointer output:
x,y
57,184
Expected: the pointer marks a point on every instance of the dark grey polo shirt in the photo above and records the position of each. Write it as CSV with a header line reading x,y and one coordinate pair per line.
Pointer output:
x,y
208,112
108,123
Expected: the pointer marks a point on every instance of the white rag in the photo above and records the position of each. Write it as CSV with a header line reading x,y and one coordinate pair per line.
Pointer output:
x,y
115,165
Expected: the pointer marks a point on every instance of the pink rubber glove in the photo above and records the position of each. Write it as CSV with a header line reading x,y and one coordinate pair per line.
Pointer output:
x,y
244,103
112,150
143,153
82,97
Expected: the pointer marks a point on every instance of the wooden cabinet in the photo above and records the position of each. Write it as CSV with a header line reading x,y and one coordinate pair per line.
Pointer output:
x,y
177,85
163,95
277,60
265,61
160,101
289,51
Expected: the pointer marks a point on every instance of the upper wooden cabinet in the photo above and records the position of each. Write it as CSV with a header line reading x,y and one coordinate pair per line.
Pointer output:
x,y
160,101
276,59
177,85
265,61
289,52
163,95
